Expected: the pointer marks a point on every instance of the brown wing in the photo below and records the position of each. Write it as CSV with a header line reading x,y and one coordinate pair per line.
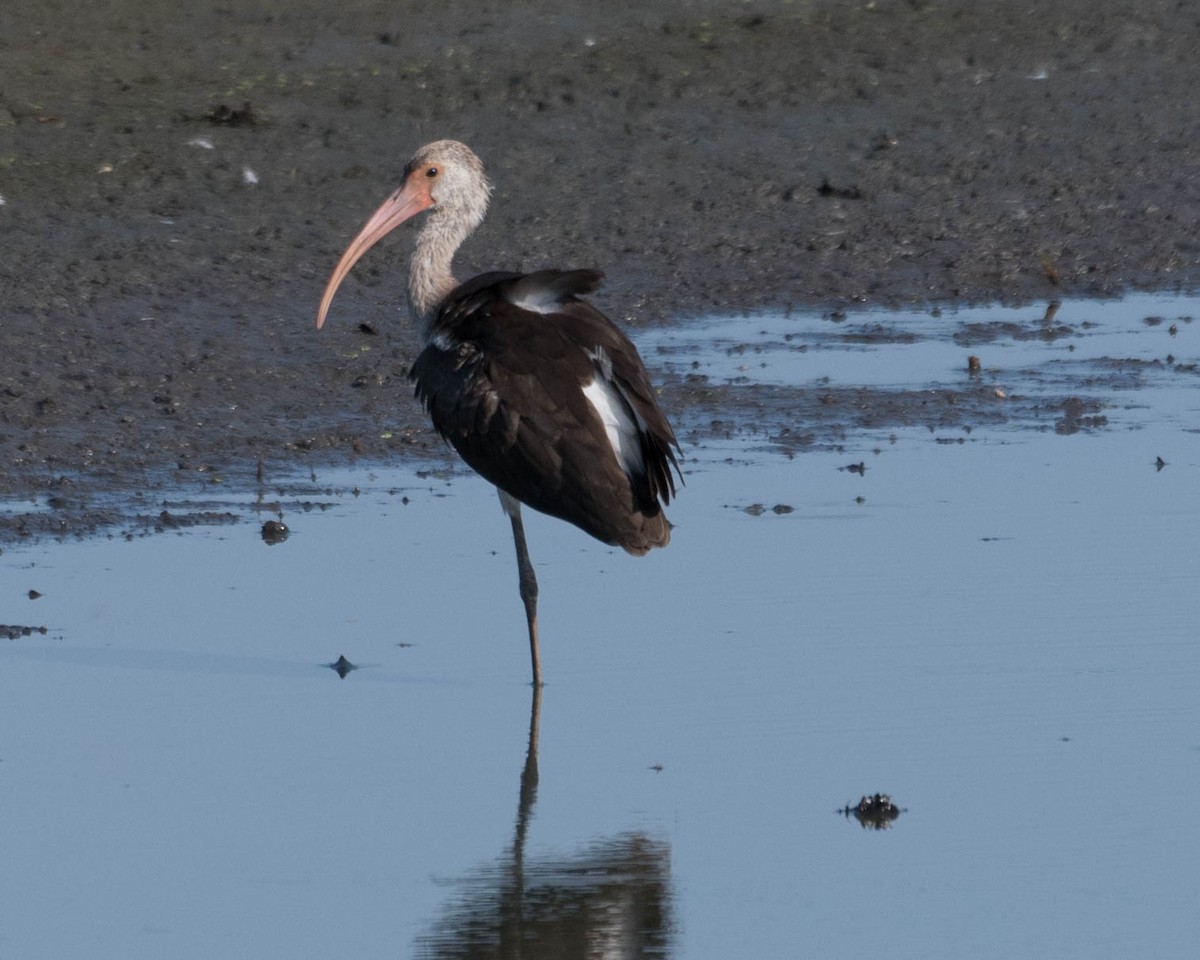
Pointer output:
x,y
503,384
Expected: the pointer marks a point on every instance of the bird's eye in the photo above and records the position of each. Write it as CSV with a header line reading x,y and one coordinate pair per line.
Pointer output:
x,y
432,172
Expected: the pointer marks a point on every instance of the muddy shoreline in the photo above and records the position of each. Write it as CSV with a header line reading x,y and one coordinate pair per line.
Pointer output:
x,y
177,186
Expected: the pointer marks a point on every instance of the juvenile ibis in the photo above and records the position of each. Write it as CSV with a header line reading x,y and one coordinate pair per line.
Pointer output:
x,y
537,390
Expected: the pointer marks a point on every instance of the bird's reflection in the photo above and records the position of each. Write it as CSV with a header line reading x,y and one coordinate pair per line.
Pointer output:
x,y
610,900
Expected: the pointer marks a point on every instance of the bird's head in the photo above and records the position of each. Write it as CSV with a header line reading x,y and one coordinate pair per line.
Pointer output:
x,y
445,177
449,175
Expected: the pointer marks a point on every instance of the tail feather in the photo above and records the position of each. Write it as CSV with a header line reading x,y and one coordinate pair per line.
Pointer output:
x,y
648,533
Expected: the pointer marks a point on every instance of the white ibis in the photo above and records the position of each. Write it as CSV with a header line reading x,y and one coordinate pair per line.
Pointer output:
x,y
538,391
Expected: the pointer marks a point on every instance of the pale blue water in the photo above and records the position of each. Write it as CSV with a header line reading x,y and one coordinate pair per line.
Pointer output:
x,y
1001,635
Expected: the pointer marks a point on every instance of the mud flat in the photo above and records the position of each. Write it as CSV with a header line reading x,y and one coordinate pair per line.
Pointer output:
x,y
177,185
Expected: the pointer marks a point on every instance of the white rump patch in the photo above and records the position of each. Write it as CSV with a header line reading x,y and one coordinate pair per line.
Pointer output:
x,y
618,422
540,299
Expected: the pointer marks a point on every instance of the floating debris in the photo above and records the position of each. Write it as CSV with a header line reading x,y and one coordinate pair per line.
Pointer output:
x,y
13,632
274,531
874,812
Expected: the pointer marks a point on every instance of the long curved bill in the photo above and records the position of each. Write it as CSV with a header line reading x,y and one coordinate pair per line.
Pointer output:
x,y
406,202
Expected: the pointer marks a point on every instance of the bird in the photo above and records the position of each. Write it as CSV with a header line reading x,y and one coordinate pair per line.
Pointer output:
x,y
538,391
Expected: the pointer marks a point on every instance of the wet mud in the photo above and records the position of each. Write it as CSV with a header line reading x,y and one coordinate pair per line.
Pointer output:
x,y
177,184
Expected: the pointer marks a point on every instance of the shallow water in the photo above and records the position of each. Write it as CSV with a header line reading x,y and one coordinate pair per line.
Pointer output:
x,y
998,632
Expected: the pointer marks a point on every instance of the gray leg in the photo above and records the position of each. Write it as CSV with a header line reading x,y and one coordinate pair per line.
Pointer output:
x,y
528,581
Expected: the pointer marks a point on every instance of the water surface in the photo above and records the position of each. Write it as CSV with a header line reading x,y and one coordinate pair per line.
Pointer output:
x,y
995,626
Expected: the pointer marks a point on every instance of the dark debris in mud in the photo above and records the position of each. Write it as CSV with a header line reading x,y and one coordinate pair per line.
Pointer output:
x,y
243,116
